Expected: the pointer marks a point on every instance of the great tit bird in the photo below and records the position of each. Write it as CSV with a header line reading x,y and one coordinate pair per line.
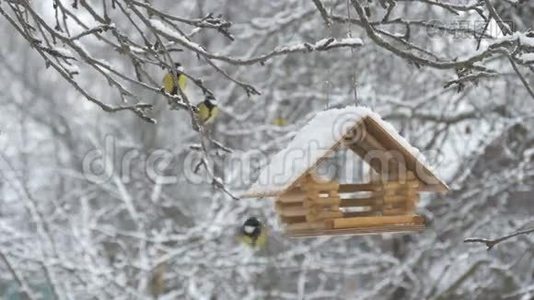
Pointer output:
x,y
207,109
253,233
169,80
280,122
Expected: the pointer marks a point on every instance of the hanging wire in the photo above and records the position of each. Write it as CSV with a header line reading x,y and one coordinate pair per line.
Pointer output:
x,y
353,54
328,83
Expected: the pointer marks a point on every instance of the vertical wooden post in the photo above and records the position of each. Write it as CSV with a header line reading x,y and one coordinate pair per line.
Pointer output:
x,y
311,215
379,193
412,193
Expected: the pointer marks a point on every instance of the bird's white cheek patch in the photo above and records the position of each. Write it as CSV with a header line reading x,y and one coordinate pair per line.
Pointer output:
x,y
249,229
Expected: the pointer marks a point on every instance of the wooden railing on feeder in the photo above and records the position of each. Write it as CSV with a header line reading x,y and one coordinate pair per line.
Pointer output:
x,y
314,208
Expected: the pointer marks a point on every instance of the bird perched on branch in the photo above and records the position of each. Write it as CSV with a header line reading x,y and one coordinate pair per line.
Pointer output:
x,y
169,80
207,109
280,121
253,233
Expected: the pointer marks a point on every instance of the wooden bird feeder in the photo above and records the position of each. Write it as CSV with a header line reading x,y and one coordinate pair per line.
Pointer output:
x,y
310,206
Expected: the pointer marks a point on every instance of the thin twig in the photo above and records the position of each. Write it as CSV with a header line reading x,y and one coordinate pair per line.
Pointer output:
x,y
491,243
322,11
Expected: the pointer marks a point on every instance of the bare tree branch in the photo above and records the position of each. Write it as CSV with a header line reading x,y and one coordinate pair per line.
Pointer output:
x,y
490,243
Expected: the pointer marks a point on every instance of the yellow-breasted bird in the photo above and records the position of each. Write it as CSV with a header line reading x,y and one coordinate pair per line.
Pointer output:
x,y
280,122
207,109
253,233
169,80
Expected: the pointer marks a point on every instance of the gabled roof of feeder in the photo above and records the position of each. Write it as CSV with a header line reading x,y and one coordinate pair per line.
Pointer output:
x,y
319,139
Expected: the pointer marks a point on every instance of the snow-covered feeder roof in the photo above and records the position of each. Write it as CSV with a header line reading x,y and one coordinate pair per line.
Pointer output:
x,y
320,138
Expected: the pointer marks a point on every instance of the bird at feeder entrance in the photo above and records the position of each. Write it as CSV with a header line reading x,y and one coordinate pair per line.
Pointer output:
x,y
253,233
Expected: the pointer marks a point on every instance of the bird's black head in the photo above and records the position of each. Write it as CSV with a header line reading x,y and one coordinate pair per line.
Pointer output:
x,y
211,102
178,67
252,221
251,227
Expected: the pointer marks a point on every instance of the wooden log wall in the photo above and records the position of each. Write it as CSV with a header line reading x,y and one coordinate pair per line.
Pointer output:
x,y
358,200
321,205
312,205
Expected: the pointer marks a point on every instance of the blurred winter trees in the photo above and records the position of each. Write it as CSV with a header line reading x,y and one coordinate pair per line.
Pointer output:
x,y
97,201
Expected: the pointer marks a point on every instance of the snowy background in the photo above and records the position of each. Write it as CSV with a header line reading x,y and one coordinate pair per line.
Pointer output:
x,y
97,202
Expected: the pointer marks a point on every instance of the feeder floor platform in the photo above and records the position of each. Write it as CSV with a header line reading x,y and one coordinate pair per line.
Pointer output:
x,y
357,231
